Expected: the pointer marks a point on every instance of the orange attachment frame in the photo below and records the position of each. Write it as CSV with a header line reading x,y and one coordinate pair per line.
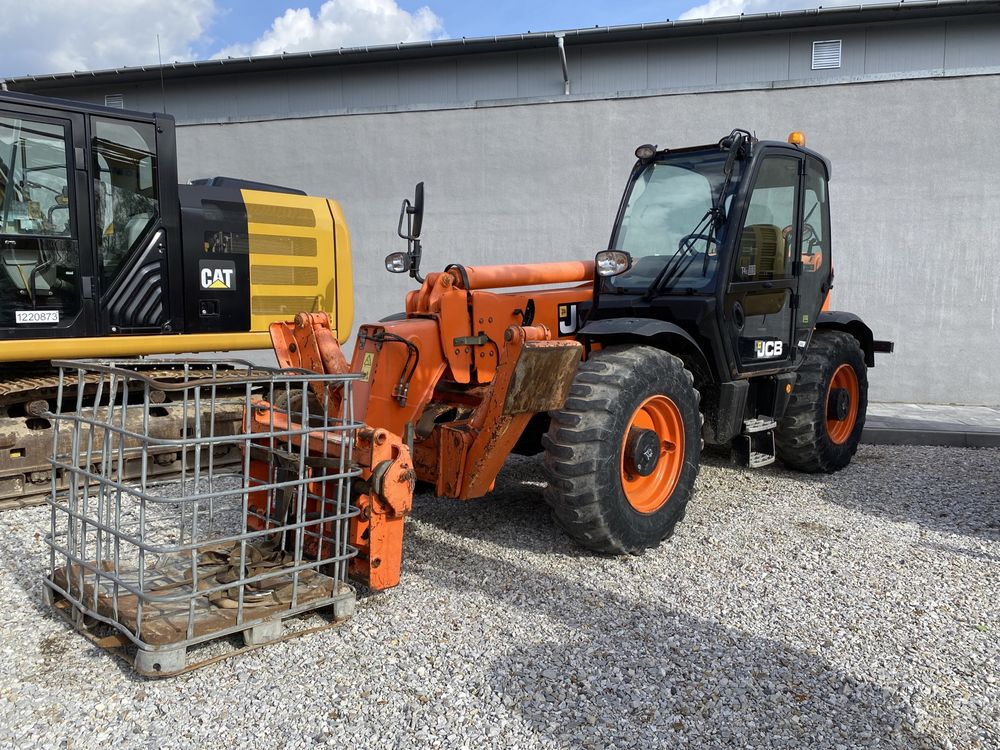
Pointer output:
x,y
455,383
385,488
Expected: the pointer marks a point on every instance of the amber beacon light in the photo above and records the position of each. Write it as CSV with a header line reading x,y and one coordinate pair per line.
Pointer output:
x,y
797,138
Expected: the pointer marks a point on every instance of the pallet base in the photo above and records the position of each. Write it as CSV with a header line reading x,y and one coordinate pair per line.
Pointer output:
x,y
173,660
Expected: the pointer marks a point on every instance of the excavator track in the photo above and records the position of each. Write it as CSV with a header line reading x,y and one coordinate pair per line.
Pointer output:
x,y
26,435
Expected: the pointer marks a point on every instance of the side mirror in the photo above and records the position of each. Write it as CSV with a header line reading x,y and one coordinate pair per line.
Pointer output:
x,y
612,262
397,263
412,214
417,210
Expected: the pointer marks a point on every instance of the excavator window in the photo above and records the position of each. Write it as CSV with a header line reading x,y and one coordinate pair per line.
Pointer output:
x,y
33,189
126,201
39,264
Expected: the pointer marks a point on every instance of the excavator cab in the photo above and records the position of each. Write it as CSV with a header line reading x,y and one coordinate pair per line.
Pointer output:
x,y
102,253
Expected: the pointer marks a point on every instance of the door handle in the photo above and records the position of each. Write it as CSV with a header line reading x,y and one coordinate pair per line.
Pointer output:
x,y
9,243
739,316
768,284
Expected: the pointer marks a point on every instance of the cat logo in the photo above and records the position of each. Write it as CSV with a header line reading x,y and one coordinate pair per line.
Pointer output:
x,y
768,349
217,274
567,319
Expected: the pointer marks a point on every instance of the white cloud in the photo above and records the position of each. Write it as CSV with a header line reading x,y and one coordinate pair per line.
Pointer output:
x,y
342,23
717,8
57,36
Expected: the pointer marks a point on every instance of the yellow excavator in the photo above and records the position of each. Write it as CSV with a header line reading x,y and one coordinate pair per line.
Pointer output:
x,y
103,255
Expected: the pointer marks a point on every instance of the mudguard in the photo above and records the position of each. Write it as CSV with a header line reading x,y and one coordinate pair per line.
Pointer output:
x,y
852,324
644,328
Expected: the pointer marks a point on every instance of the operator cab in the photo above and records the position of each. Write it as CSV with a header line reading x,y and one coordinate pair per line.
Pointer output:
x,y
730,242
82,219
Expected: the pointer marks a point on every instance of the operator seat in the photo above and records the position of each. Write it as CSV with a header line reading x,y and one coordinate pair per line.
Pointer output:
x,y
134,230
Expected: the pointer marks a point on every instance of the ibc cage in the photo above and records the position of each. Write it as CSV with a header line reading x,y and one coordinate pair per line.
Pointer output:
x,y
213,550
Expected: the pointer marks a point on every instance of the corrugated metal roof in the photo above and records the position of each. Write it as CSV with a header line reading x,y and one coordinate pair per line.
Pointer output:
x,y
757,22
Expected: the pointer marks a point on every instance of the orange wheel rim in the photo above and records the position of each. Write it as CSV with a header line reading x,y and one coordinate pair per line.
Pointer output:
x,y
649,493
846,379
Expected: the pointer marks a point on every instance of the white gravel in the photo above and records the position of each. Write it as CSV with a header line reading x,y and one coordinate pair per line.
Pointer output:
x,y
847,611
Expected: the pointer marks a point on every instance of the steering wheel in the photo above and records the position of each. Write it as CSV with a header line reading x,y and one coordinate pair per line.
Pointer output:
x,y
688,239
705,256
809,236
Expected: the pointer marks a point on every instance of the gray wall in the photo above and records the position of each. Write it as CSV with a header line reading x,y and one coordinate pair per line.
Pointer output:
x,y
916,179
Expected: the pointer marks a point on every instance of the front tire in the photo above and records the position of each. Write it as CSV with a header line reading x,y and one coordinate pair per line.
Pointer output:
x,y
623,452
822,425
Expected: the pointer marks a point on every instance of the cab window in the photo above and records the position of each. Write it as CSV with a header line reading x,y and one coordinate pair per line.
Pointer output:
x,y
125,195
814,245
33,179
39,264
764,249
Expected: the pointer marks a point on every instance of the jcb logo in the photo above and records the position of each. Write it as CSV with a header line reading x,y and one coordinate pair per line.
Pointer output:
x,y
769,349
567,319
217,274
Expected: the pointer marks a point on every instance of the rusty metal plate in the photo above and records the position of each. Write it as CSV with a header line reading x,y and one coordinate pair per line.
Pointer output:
x,y
542,377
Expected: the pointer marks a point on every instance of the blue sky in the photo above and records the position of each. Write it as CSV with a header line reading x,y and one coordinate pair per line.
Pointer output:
x,y
476,18
56,36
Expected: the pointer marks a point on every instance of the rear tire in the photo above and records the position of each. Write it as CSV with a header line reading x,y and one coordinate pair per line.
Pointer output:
x,y
606,489
810,437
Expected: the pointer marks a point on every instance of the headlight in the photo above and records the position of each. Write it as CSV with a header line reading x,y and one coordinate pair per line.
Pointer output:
x,y
397,263
645,152
612,262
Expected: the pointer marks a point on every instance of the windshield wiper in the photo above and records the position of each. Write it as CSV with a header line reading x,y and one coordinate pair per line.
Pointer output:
x,y
671,267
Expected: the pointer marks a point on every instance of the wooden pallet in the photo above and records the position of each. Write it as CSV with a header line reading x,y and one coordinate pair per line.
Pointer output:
x,y
161,643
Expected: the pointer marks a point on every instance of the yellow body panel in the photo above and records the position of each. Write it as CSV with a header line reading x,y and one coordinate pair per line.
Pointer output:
x,y
295,243
300,261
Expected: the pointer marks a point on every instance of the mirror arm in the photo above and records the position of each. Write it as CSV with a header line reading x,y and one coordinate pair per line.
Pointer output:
x,y
415,253
404,212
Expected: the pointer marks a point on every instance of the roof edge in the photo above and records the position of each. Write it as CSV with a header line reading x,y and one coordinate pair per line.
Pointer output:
x,y
759,22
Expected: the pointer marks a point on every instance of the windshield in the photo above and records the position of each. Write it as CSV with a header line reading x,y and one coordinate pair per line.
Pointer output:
x,y
668,221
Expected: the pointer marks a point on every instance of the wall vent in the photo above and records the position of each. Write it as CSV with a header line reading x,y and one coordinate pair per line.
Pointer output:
x,y
826,54
118,101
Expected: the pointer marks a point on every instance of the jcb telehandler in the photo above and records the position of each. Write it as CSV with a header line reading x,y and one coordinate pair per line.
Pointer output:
x,y
704,322
102,254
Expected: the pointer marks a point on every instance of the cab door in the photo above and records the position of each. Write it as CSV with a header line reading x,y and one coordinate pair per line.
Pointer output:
x,y
46,288
812,243
131,235
761,297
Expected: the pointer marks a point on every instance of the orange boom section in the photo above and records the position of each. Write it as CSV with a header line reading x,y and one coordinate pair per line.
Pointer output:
x,y
448,391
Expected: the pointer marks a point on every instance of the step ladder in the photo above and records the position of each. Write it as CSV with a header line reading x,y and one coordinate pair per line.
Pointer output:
x,y
754,447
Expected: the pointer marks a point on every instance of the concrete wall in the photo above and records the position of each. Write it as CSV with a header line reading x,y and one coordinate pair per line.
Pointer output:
x,y
916,180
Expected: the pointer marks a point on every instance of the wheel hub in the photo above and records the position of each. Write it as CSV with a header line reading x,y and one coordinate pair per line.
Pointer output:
x,y
838,406
642,451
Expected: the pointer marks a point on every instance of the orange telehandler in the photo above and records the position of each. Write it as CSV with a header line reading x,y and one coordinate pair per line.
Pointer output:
x,y
706,321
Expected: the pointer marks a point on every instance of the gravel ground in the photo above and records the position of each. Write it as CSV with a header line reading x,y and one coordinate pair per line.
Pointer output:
x,y
847,611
